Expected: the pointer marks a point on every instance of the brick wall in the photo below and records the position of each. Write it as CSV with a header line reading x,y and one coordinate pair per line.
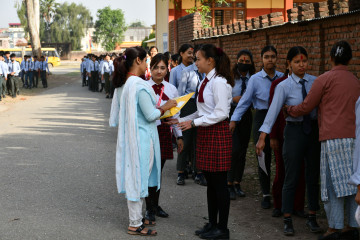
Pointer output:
x,y
316,35
183,30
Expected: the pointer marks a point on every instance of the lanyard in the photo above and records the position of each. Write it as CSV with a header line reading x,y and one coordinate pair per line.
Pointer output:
x,y
161,94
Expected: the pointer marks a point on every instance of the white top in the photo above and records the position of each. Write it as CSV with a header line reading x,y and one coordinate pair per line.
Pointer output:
x,y
170,91
217,99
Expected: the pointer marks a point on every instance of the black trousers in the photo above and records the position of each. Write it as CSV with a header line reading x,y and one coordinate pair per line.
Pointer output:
x,y
94,85
297,149
241,138
218,198
36,78
188,152
152,200
263,177
84,83
43,78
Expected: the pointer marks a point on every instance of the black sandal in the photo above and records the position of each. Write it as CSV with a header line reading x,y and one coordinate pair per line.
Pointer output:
x,y
150,224
138,231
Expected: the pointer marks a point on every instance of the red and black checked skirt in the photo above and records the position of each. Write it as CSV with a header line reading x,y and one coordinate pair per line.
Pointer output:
x,y
214,147
165,141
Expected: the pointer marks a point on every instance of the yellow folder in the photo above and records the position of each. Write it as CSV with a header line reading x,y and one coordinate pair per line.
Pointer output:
x,y
181,101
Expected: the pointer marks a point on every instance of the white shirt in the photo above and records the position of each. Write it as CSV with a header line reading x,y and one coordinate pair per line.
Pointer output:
x,y
217,99
170,91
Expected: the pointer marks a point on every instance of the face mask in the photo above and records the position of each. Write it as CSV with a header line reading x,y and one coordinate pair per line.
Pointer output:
x,y
12,60
243,67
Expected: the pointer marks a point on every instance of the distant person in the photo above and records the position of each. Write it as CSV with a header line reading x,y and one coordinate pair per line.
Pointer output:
x,y
43,65
36,72
14,73
83,72
106,71
3,72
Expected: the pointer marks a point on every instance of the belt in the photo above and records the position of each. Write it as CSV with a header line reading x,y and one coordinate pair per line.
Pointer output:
x,y
300,123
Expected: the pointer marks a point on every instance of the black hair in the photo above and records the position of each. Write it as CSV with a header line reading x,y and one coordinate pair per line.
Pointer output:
x,y
341,53
197,47
153,48
294,51
157,59
268,48
123,64
35,56
12,55
175,57
252,69
183,49
168,55
7,52
222,61
1,53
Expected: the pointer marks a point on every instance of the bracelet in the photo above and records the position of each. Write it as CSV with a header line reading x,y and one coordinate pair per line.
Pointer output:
x,y
193,124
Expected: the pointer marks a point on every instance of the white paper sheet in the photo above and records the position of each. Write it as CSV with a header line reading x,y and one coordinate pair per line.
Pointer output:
x,y
357,215
261,160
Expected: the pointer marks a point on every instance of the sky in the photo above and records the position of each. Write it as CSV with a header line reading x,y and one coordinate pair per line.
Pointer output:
x,y
143,10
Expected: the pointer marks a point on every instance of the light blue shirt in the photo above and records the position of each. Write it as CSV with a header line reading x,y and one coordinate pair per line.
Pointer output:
x,y
105,67
288,92
83,66
257,93
29,65
175,74
4,70
236,90
43,66
14,67
92,66
190,78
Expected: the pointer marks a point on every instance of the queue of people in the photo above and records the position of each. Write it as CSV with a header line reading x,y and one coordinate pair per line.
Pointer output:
x,y
309,122
14,75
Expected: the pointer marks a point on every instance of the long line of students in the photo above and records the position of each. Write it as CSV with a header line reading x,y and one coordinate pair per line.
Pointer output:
x,y
13,75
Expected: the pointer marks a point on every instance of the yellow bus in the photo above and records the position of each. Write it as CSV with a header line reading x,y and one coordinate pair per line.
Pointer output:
x,y
51,54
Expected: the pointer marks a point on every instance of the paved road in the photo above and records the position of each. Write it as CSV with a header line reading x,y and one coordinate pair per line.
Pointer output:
x,y
57,177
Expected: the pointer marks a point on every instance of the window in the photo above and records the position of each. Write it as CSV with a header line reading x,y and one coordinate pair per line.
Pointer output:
x,y
227,13
131,38
1,43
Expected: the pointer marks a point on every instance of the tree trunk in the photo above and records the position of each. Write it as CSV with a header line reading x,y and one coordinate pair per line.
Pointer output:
x,y
37,14
34,33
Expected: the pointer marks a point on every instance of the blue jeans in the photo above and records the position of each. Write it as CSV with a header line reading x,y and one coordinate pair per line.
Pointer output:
x,y
29,76
334,207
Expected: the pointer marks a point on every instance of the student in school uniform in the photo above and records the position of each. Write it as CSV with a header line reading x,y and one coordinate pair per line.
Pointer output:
x,y
190,80
29,74
158,66
5,68
3,72
134,111
92,69
214,141
174,60
7,61
83,72
106,71
242,71
14,72
276,143
301,142
22,67
43,66
36,72
335,94
186,52
257,95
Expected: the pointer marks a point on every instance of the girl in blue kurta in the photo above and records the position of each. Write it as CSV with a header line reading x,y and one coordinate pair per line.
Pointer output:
x,y
134,110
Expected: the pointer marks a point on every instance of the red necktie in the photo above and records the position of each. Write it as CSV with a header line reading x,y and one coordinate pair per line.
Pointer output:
x,y
157,90
201,92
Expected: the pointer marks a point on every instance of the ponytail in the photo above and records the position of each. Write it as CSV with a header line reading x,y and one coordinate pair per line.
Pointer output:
x,y
123,64
222,61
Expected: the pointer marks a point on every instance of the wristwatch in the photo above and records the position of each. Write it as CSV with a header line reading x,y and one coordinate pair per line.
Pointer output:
x,y
192,124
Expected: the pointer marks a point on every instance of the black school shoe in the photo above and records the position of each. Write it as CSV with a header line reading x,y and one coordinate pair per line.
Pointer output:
x,y
150,215
312,224
232,192
216,234
180,179
239,192
266,203
160,212
207,227
288,227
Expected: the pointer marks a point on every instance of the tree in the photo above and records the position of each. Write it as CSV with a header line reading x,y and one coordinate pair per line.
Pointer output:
x,y
70,24
204,9
137,24
151,36
48,11
109,27
32,10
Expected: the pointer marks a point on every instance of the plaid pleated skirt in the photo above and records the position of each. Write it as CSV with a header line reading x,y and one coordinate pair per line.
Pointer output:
x,y
165,141
214,147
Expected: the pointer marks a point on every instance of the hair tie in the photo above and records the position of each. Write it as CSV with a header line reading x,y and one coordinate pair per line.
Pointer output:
x,y
219,51
339,51
124,57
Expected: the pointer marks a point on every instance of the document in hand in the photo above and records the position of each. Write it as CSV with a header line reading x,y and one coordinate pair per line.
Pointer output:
x,y
181,101
261,160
